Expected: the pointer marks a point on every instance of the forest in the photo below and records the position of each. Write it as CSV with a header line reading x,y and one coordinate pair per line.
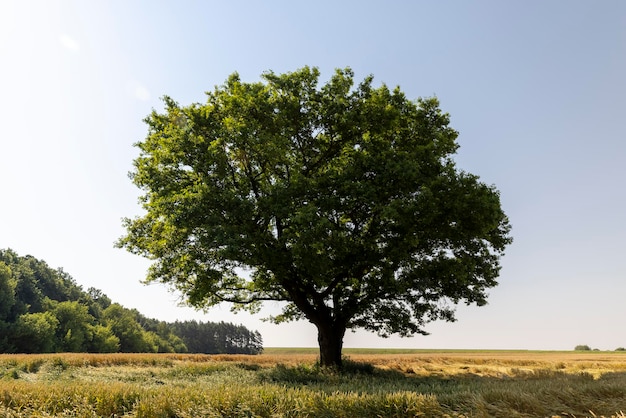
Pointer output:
x,y
44,310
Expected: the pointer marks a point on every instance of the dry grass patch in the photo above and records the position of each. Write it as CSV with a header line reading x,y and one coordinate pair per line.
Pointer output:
x,y
282,384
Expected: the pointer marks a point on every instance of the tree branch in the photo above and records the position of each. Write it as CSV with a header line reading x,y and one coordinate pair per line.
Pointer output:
x,y
252,299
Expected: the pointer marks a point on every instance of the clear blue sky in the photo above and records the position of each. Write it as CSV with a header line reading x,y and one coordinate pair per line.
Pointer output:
x,y
537,90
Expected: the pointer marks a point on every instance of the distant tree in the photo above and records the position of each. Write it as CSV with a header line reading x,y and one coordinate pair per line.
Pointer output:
x,y
194,336
582,348
620,349
7,300
124,326
55,284
35,333
98,297
216,338
28,295
75,330
163,337
36,280
344,202
176,343
240,340
103,340
7,292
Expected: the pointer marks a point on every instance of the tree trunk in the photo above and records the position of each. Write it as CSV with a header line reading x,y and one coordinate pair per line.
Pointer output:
x,y
330,339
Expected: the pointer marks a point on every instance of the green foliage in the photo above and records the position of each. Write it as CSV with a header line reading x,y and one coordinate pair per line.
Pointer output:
x,y
7,301
7,291
104,340
35,333
133,338
35,281
75,329
582,348
97,302
343,201
217,338
43,310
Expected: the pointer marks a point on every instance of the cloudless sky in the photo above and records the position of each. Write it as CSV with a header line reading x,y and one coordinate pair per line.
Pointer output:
x,y
537,90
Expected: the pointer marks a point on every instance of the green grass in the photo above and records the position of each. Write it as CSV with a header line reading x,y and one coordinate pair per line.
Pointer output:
x,y
284,383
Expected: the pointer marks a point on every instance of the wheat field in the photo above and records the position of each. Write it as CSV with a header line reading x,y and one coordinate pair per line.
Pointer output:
x,y
289,383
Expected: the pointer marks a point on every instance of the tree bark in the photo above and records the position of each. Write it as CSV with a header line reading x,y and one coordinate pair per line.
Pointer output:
x,y
330,339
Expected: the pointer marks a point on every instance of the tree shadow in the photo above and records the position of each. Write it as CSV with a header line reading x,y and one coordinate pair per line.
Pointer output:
x,y
520,393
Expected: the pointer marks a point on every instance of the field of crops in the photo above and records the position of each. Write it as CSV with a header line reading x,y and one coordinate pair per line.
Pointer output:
x,y
287,383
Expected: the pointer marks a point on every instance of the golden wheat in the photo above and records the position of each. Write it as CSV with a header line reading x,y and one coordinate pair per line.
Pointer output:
x,y
289,384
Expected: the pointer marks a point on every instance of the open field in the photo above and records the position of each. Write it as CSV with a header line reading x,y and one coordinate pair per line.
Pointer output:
x,y
287,383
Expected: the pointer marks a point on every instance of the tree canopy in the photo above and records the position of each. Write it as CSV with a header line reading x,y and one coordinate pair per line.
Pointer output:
x,y
342,201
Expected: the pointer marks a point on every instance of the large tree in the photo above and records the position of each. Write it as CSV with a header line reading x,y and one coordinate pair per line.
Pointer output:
x,y
342,201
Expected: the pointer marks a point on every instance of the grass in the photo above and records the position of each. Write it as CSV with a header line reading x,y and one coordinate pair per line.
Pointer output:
x,y
289,383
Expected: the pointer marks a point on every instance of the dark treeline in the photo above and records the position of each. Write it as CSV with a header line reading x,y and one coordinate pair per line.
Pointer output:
x,y
43,310
211,337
